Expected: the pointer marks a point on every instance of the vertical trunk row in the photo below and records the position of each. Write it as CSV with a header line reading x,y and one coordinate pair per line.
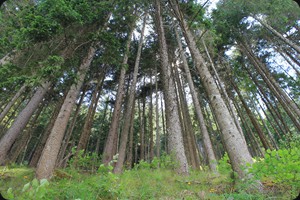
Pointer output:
x,y
233,140
206,139
111,142
130,105
173,123
86,130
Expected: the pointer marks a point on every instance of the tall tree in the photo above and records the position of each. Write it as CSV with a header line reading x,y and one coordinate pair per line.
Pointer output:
x,y
234,141
174,129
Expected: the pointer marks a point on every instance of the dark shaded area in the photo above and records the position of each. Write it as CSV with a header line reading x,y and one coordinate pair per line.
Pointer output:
x,y
1,2
1,197
298,2
298,197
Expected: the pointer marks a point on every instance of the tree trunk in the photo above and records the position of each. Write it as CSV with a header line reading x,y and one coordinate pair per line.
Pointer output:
x,y
173,123
49,155
157,116
276,33
12,102
254,122
39,147
289,106
60,159
21,121
86,130
130,108
206,139
234,141
22,142
111,142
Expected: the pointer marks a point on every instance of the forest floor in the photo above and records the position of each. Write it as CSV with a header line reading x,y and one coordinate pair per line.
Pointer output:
x,y
143,182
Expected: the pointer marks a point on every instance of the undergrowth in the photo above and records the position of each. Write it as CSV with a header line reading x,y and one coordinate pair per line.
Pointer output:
x,y
278,172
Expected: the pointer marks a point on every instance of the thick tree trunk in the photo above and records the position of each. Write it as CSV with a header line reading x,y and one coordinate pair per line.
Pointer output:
x,y
21,121
66,142
111,142
49,155
173,123
12,102
130,108
233,140
41,142
201,122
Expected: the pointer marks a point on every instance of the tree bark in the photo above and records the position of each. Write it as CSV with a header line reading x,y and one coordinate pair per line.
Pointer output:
x,y
111,142
39,147
62,152
12,102
86,130
50,152
233,140
201,122
289,106
130,108
21,121
276,33
254,122
173,123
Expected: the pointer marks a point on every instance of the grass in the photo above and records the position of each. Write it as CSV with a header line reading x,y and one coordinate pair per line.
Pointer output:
x,y
143,183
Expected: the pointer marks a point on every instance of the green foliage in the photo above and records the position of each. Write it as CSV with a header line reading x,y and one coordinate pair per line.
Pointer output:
x,y
85,161
224,166
282,166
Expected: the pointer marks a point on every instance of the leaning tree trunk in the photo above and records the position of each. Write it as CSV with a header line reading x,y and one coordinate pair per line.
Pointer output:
x,y
276,33
86,130
43,138
289,106
49,155
206,139
234,141
173,122
130,105
21,121
12,102
111,142
253,120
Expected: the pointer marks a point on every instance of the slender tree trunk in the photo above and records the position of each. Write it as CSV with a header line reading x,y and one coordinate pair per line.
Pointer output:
x,y
173,127
111,142
157,116
21,121
254,122
130,108
21,143
49,155
84,137
102,121
12,102
289,106
151,142
201,122
142,129
233,140
130,144
276,33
